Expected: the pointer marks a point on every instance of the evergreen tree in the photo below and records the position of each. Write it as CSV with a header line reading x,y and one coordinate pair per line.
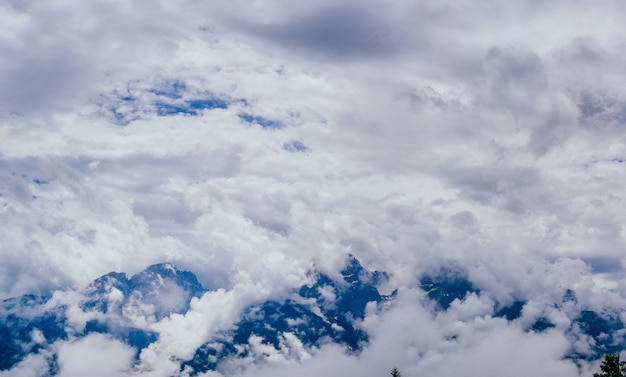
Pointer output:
x,y
612,367
395,373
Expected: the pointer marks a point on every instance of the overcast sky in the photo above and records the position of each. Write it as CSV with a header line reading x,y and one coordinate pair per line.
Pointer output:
x,y
245,140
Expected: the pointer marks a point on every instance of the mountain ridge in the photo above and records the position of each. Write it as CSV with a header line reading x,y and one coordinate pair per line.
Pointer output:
x,y
323,311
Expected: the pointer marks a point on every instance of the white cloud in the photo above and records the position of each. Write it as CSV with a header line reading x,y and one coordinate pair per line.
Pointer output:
x,y
32,366
487,134
94,355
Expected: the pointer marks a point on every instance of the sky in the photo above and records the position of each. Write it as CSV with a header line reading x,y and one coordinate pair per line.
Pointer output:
x,y
247,140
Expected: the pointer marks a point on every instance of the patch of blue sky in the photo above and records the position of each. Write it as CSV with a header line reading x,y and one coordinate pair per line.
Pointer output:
x,y
190,107
119,116
122,115
36,180
167,98
295,146
263,122
120,108
171,89
166,109
208,103
39,181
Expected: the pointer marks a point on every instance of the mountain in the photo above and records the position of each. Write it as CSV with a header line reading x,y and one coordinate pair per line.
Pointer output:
x,y
157,291
29,324
323,311
329,308
605,332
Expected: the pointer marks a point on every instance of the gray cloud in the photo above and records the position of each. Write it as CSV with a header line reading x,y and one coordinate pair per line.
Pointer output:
x,y
337,31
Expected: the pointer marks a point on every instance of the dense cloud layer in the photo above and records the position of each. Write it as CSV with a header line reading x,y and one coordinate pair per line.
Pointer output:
x,y
245,141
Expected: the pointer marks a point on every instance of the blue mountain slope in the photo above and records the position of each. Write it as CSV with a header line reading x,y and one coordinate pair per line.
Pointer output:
x,y
511,312
26,326
446,285
158,290
100,291
29,324
323,311
164,287
607,330
327,309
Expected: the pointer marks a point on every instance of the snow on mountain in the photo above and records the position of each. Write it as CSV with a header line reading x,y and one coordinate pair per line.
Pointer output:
x,y
292,327
325,311
110,305
591,333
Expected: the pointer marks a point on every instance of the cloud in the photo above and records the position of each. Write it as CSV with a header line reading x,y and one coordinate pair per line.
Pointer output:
x,y
30,367
94,355
334,31
246,140
413,340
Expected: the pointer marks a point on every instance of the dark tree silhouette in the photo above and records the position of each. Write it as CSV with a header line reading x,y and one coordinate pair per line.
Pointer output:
x,y
395,373
612,367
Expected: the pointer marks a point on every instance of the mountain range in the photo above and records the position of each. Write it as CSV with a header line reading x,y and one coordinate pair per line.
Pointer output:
x,y
326,310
